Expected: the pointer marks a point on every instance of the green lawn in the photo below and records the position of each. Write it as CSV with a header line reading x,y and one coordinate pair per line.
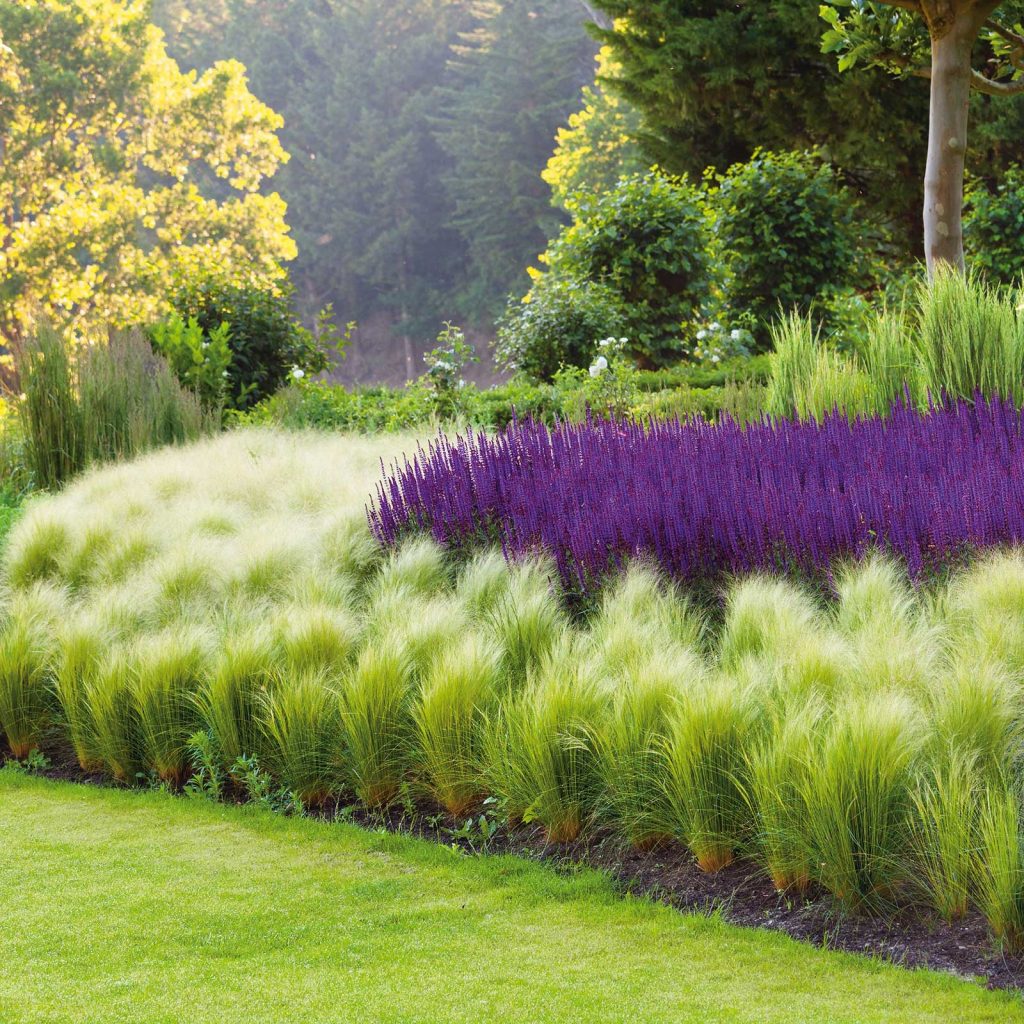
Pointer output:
x,y
126,907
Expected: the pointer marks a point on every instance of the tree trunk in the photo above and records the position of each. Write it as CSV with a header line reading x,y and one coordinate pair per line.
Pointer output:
x,y
947,142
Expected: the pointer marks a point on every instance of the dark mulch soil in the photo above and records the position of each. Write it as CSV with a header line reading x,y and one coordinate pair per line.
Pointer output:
x,y
740,893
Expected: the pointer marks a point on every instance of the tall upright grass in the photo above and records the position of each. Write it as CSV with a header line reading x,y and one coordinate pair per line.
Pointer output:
x,y
301,720
858,798
541,749
957,337
26,652
450,716
110,400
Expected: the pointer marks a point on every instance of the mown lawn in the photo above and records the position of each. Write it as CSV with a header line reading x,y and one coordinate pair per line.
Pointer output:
x,y
126,907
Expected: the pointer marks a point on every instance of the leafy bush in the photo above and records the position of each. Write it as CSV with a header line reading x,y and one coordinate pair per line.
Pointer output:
x,y
994,227
683,390
646,240
200,360
267,343
557,325
787,231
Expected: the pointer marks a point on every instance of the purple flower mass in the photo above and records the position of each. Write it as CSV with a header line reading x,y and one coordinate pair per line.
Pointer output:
x,y
705,499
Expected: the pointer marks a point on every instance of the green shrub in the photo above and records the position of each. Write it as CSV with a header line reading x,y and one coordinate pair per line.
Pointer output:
x,y
200,359
646,240
556,325
994,227
267,343
787,231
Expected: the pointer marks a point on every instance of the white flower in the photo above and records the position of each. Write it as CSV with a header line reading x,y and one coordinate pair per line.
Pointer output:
x,y
701,335
462,383
716,359
298,373
604,343
623,341
601,363
736,335
715,326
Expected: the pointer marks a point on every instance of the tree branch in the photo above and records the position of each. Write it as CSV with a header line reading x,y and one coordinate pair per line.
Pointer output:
x,y
990,88
907,5
1013,38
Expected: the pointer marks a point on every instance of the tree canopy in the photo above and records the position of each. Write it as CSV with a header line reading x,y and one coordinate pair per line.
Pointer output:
x,y
119,174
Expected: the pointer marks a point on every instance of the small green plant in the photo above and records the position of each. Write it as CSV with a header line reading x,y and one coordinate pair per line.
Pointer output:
x,y
200,359
715,343
35,764
208,778
445,366
260,789
480,832
607,388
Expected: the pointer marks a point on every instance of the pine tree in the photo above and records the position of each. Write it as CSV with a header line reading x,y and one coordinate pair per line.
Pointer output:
x,y
515,79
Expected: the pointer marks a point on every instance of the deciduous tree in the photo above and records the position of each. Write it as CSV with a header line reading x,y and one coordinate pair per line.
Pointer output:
x,y
119,174
889,33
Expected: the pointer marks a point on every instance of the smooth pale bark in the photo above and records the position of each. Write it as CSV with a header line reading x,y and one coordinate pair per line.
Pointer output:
x,y
947,143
